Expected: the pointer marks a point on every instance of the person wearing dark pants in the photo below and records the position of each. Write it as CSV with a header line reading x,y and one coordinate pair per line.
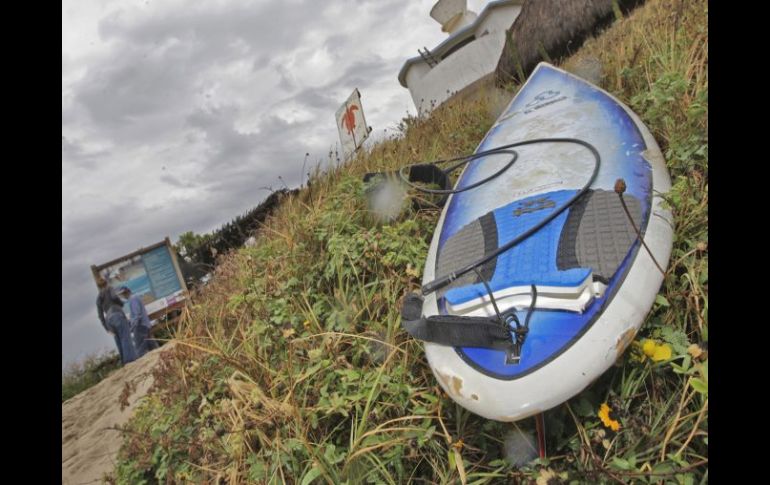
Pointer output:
x,y
139,322
109,308
117,343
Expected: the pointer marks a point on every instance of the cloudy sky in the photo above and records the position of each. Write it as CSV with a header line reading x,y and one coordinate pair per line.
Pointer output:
x,y
177,114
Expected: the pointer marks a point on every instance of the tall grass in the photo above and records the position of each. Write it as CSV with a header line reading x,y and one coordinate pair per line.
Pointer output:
x,y
86,373
293,367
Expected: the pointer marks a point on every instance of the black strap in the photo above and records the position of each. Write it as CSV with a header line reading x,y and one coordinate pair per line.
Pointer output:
x,y
452,330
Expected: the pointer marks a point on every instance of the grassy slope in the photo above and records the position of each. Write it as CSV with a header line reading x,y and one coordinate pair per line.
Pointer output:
x,y
294,366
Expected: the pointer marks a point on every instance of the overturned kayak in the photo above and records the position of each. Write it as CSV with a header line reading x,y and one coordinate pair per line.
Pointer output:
x,y
536,279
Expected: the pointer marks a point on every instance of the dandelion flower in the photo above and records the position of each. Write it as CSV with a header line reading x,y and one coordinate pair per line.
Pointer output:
x,y
648,347
604,415
655,351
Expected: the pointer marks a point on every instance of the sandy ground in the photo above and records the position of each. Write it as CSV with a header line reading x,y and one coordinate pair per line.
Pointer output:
x,y
89,447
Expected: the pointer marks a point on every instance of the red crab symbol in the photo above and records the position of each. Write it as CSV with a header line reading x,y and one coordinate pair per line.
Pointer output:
x,y
349,119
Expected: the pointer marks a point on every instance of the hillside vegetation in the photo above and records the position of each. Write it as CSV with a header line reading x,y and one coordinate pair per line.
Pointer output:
x,y
292,366
79,376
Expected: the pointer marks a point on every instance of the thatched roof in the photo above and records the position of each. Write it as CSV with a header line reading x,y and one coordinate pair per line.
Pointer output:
x,y
547,30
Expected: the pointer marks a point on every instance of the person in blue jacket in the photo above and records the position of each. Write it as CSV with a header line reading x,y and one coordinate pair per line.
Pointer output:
x,y
109,308
139,322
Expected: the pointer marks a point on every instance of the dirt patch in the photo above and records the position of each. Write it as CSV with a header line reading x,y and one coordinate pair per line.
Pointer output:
x,y
89,444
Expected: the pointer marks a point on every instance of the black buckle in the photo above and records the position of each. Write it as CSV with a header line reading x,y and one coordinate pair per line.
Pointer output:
x,y
518,334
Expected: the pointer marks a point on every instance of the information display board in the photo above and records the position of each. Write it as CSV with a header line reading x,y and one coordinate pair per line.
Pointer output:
x,y
152,273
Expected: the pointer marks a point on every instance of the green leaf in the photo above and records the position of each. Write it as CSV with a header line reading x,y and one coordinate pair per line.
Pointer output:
x,y
704,275
621,463
676,338
662,301
310,476
664,467
256,468
678,460
685,479
331,455
700,386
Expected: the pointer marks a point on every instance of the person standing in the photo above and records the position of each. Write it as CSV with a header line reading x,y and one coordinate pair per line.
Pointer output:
x,y
139,322
109,308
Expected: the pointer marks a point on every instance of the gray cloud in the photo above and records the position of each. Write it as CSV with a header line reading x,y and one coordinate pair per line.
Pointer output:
x,y
317,98
216,26
228,146
73,154
175,182
117,95
337,43
159,62
287,80
175,117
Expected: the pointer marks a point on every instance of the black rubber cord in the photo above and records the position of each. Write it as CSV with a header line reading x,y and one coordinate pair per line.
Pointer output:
x,y
620,187
531,307
445,280
465,160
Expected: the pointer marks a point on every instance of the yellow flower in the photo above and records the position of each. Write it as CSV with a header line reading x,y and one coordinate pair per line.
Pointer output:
x,y
648,347
656,351
604,415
